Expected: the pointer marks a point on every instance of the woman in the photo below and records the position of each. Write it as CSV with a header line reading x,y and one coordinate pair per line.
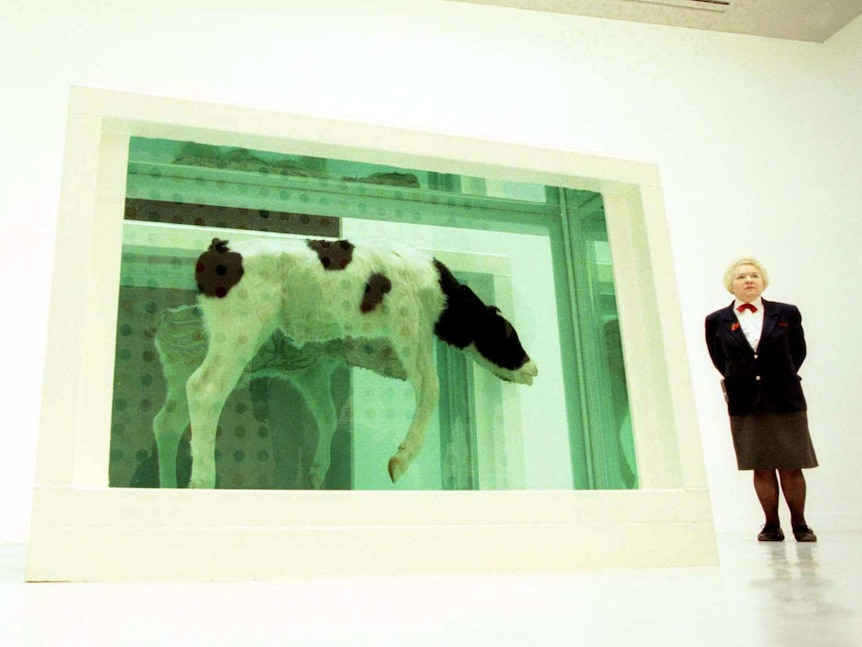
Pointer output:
x,y
758,347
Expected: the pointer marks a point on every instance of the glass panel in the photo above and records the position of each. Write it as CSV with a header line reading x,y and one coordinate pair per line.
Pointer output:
x,y
538,253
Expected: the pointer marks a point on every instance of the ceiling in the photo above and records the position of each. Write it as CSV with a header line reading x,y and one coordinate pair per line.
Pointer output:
x,y
806,20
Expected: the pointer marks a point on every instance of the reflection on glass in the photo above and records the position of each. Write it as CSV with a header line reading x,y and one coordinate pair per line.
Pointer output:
x,y
539,253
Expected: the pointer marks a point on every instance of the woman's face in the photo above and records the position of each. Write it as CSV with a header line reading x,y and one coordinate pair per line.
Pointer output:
x,y
747,283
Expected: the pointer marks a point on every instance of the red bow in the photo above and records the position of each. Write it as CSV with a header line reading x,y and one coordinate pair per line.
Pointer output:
x,y
746,306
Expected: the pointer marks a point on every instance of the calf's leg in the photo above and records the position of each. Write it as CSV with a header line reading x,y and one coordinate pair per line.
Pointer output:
x,y
181,348
231,346
168,427
314,384
417,356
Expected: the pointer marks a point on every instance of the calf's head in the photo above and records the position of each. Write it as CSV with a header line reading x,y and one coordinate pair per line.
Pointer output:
x,y
481,331
496,347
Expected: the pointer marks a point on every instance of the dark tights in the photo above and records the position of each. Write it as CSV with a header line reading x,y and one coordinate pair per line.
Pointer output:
x,y
792,485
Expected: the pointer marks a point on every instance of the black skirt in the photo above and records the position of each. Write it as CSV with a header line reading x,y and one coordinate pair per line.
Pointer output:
x,y
769,440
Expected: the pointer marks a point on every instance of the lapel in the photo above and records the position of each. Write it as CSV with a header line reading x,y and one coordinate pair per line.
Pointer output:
x,y
770,319
732,327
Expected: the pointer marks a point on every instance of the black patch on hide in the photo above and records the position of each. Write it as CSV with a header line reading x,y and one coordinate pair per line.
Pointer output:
x,y
218,269
377,287
333,254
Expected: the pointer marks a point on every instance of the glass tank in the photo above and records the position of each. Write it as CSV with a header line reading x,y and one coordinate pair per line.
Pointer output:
x,y
538,253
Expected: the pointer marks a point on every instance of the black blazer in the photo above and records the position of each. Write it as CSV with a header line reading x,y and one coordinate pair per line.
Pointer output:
x,y
765,380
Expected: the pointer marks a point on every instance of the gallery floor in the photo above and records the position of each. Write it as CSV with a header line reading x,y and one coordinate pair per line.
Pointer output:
x,y
780,595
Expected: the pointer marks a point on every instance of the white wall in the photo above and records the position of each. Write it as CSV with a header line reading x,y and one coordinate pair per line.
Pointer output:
x,y
759,143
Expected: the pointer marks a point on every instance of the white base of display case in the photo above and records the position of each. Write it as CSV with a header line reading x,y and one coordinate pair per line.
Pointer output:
x,y
220,534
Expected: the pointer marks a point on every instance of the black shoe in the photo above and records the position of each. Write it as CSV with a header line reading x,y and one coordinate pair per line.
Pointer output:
x,y
771,532
804,533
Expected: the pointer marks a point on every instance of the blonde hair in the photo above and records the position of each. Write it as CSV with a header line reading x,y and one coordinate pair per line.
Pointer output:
x,y
745,260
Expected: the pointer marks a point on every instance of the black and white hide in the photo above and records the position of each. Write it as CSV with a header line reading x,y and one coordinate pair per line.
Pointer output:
x,y
319,290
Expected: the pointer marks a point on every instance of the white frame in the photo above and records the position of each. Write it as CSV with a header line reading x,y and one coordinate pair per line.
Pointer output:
x,y
83,530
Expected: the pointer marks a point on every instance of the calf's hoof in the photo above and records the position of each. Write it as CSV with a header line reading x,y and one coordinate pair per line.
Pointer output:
x,y
201,484
397,467
314,480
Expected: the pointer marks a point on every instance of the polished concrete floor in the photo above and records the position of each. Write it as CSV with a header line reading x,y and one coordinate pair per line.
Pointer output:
x,y
785,594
